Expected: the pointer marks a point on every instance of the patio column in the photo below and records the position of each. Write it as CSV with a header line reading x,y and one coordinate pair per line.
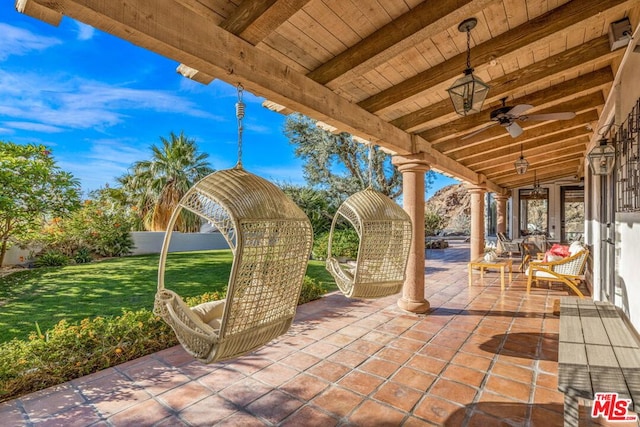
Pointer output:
x,y
501,202
477,220
413,167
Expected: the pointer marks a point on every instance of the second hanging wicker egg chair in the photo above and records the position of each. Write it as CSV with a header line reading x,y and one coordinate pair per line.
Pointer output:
x,y
384,231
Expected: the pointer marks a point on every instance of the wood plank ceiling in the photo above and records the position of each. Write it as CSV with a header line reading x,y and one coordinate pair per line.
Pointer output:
x,y
380,68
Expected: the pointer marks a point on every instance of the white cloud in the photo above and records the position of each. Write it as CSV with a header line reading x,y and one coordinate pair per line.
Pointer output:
x,y
104,162
36,127
76,103
85,32
18,41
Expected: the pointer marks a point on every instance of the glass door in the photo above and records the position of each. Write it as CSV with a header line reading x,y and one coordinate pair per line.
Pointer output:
x,y
571,213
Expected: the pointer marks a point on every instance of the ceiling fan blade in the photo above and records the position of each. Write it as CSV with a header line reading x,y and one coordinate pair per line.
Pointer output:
x,y
514,130
550,116
519,109
478,131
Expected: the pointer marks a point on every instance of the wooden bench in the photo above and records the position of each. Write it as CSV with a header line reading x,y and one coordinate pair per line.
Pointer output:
x,y
597,354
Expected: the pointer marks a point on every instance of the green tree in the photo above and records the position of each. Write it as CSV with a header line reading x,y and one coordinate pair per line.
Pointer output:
x,y
316,205
340,165
32,189
156,186
337,163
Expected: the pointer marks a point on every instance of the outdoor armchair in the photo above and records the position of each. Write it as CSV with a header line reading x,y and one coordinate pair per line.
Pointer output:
x,y
568,270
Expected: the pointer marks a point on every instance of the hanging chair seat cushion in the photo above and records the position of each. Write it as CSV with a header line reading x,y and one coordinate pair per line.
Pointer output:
x,y
210,313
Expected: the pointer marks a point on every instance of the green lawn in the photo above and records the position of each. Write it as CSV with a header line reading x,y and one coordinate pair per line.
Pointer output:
x,y
47,295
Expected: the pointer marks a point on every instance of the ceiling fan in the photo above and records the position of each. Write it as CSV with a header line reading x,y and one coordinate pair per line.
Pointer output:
x,y
506,117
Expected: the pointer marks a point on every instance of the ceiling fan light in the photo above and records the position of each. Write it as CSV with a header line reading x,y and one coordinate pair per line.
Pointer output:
x,y
602,158
468,94
521,165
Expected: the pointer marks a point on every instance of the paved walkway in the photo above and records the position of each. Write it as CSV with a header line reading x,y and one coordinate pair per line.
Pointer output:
x,y
479,358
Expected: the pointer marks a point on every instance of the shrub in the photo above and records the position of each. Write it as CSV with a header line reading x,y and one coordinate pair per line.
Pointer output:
x,y
345,244
311,290
52,258
82,255
71,350
432,223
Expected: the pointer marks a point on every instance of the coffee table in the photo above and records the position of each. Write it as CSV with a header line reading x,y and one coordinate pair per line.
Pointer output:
x,y
499,263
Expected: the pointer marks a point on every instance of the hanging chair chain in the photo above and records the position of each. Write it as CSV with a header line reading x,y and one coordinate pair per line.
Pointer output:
x,y
240,107
370,164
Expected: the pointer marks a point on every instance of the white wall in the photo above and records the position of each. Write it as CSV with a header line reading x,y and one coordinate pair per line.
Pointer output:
x,y
150,242
146,242
627,259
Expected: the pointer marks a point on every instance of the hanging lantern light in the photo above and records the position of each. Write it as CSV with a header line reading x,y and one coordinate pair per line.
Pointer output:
x,y
468,92
521,164
602,158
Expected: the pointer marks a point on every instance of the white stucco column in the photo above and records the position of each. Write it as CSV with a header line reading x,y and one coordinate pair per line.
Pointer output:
x,y
413,169
477,220
501,205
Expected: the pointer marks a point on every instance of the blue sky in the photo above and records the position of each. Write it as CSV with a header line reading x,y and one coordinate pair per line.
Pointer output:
x,y
100,102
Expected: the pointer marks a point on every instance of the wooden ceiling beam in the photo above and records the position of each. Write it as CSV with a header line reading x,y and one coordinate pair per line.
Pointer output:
x,y
531,32
259,26
252,21
575,152
549,173
244,15
582,121
177,32
510,153
455,147
38,11
422,22
569,88
594,50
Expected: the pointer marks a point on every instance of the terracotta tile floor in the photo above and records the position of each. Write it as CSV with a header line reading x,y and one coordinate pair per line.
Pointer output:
x,y
479,358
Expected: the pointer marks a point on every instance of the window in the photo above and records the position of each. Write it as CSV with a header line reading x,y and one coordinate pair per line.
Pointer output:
x,y
627,172
534,211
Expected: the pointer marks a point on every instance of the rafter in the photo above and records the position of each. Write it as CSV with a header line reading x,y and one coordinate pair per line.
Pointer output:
x,y
546,159
245,14
511,152
570,169
497,135
420,23
259,26
556,20
594,50
569,88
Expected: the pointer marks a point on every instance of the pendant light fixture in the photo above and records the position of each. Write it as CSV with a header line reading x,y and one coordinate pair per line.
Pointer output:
x,y
602,158
468,92
521,164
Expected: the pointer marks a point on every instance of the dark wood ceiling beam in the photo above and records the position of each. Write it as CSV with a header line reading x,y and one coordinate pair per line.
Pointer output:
x,y
585,83
575,152
556,20
420,23
532,147
454,147
594,50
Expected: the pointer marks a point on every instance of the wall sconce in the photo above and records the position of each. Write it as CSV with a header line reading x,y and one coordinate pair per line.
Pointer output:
x,y
468,92
521,164
602,158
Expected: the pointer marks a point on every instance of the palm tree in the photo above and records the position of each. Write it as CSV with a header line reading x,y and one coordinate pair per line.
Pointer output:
x,y
156,186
